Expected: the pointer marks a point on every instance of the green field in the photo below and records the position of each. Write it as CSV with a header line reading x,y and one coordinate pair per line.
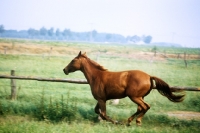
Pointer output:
x,y
64,107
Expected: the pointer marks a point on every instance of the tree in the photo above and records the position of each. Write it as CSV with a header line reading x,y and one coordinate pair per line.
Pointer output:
x,y
31,32
58,32
147,39
94,33
36,32
66,33
51,31
108,37
154,49
43,31
1,29
134,38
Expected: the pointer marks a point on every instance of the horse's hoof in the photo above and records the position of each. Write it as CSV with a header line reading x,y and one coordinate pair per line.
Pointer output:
x,y
118,123
115,122
138,123
128,124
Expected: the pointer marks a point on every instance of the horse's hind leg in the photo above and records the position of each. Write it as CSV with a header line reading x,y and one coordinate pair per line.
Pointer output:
x,y
140,116
142,109
130,119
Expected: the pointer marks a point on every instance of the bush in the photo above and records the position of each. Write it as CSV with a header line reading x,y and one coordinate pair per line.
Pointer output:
x,y
57,110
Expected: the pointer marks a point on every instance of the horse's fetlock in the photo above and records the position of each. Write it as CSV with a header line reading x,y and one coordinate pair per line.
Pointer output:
x,y
138,122
129,120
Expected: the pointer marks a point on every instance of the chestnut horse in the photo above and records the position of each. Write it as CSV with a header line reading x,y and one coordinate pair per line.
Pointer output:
x,y
106,85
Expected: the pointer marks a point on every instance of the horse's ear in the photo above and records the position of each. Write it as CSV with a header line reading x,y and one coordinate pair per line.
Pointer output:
x,y
79,54
84,53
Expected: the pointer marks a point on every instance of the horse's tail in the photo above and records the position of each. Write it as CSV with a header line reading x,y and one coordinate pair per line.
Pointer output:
x,y
164,89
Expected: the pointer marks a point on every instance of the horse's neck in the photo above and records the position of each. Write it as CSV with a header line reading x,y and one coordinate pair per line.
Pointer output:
x,y
89,71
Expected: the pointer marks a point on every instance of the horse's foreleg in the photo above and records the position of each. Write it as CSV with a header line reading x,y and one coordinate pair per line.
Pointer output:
x,y
102,106
96,109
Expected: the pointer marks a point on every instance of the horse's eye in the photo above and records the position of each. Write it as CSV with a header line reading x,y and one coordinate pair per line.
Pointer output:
x,y
73,61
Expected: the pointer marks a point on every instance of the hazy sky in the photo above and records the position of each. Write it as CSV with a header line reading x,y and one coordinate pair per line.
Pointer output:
x,y
176,21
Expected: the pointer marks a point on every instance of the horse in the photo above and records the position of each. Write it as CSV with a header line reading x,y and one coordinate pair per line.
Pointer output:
x,y
106,85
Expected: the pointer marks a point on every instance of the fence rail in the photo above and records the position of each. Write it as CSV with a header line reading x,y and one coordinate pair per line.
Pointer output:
x,y
79,81
13,81
76,81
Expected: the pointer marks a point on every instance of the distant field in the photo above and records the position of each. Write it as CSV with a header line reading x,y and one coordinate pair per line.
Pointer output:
x,y
66,48
65,107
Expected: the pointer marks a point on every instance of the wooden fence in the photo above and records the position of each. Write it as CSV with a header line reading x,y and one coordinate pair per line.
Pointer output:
x,y
75,81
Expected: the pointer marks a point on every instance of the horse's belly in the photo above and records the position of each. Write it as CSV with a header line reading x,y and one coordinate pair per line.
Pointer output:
x,y
116,85
115,92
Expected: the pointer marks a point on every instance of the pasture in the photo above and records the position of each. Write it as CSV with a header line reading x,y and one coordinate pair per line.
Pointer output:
x,y
56,107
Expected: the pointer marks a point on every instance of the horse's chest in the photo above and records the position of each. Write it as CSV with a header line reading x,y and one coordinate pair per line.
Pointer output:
x,y
97,90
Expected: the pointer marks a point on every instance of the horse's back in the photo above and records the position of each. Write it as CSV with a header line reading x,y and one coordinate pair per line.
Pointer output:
x,y
125,78
138,75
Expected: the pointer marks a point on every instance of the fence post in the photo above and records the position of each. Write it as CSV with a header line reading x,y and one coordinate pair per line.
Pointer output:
x,y
185,61
97,57
178,55
5,50
154,49
199,54
50,52
13,86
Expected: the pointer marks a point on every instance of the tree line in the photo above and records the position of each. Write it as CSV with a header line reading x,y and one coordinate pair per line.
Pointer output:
x,y
68,35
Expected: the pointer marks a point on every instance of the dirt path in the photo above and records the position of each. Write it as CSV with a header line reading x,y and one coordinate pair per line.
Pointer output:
x,y
186,115
35,49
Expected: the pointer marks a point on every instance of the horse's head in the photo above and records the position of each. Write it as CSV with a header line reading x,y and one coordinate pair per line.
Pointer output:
x,y
74,65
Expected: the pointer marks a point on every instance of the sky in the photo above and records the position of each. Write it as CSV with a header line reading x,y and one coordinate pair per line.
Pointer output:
x,y
174,21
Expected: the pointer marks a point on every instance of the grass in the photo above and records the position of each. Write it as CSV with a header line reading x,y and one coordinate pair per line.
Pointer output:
x,y
165,125
64,107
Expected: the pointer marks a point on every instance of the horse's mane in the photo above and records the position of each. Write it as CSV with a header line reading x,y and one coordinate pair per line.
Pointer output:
x,y
96,65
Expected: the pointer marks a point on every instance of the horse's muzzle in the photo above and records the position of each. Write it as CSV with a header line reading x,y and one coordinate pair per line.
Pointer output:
x,y
66,72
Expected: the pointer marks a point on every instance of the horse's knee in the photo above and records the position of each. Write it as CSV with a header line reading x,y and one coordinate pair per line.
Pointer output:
x,y
148,106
